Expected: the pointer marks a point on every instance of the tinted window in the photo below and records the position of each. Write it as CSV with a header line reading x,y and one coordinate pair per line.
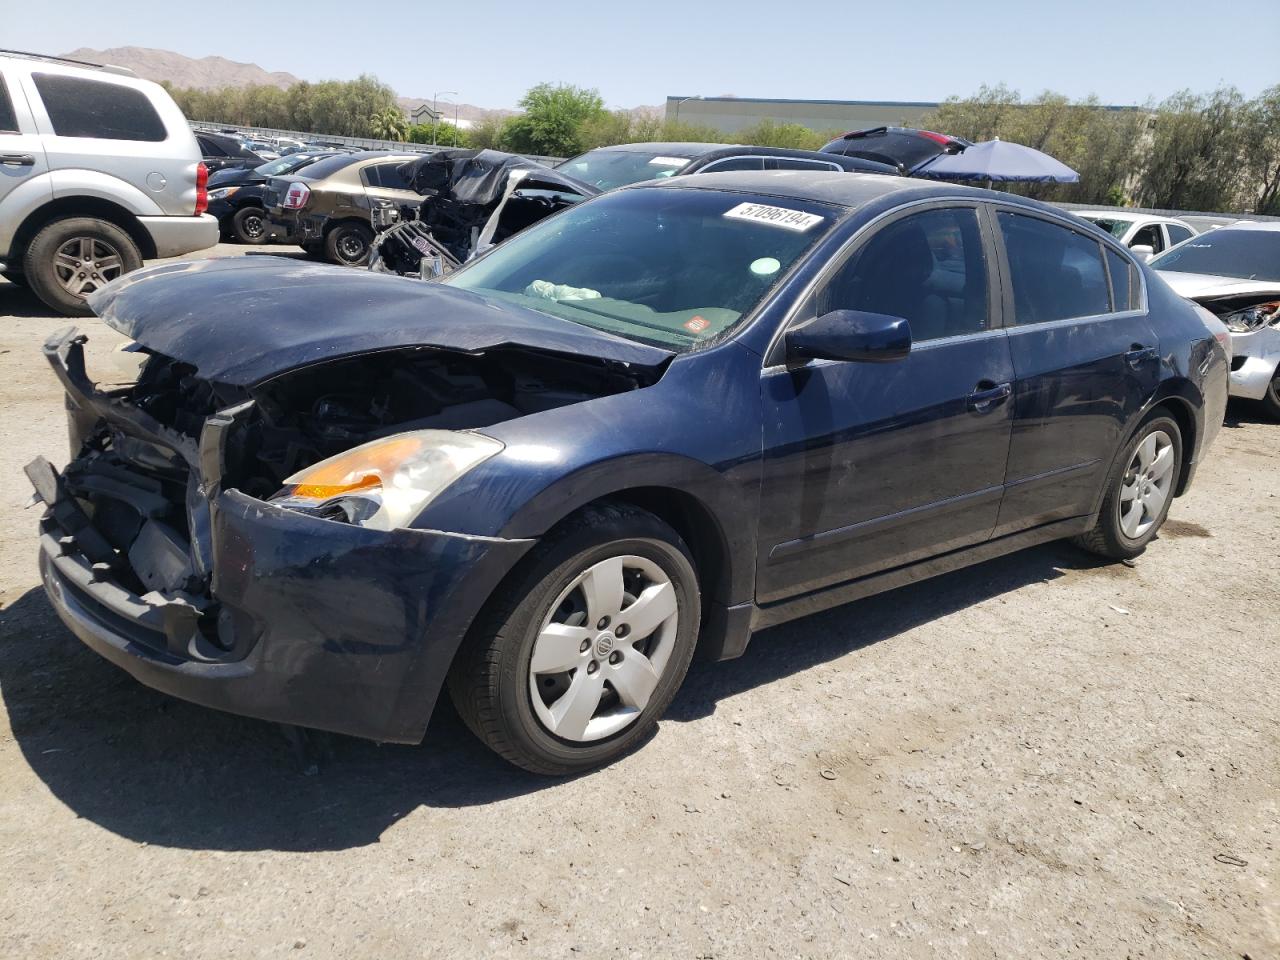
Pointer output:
x,y
1056,273
786,163
1121,281
929,268
1177,234
1148,236
329,165
210,148
8,121
610,169
729,164
104,111
385,175
1242,253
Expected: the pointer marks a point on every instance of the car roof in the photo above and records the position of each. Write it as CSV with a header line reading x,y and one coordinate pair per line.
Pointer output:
x,y
825,186
672,149
1268,225
1126,215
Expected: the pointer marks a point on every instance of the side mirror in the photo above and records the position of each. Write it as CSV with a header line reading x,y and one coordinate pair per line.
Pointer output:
x,y
849,335
1143,251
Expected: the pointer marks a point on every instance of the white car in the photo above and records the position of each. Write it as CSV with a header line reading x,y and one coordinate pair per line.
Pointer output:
x,y
98,171
1234,272
1146,235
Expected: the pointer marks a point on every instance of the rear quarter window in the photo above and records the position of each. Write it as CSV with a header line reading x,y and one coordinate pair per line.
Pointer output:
x,y
8,120
78,107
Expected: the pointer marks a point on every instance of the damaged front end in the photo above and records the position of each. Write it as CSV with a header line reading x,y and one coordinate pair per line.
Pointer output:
x,y
1254,323
229,544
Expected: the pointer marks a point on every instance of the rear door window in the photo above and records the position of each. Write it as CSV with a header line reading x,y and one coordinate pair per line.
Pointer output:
x,y
386,175
210,148
1177,234
1056,273
102,111
1148,236
733,163
8,119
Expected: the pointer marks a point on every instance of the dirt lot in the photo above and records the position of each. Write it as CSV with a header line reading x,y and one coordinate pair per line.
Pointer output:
x,y
1043,756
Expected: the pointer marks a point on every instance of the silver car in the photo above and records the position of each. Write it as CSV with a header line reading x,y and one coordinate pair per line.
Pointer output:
x,y
99,170
1234,271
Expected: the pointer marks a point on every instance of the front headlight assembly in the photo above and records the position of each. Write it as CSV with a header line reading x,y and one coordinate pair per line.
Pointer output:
x,y
383,484
1253,318
222,193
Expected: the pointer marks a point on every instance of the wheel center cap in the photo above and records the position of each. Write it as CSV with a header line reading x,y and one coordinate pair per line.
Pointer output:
x,y
604,645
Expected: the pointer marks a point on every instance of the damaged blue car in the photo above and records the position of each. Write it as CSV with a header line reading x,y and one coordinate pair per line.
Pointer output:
x,y
642,429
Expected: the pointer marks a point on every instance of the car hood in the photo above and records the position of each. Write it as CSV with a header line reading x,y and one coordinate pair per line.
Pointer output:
x,y
1202,287
244,320
235,177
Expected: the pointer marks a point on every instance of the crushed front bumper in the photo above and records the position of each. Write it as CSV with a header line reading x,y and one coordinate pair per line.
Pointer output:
x,y
304,621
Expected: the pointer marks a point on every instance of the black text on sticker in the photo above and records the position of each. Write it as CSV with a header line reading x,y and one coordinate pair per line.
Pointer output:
x,y
796,220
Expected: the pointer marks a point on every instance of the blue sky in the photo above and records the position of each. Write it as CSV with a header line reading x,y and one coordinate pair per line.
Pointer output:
x,y
638,53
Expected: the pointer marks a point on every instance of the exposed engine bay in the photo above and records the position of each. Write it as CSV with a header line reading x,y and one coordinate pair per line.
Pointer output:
x,y
315,412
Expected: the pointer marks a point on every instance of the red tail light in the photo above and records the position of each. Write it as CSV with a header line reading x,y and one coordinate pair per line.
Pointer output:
x,y
202,188
297,196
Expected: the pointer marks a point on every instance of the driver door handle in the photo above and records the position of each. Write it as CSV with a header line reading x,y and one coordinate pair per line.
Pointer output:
x,y
17,159
988,396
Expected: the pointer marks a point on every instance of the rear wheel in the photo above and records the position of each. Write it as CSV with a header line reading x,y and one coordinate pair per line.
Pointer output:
x,y
70,259
348,244
1139,491
580,656
249,225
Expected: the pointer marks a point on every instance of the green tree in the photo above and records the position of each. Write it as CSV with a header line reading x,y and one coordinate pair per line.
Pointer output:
x,y
1260,151
1193,161
553,120
771,133
389,123
443,133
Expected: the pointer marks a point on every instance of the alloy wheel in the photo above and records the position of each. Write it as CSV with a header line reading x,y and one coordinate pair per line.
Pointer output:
x,y
1146,484
601,651
85,264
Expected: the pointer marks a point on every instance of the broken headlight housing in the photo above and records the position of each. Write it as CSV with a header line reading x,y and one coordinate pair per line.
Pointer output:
x,y
221,193
1253,318
384,484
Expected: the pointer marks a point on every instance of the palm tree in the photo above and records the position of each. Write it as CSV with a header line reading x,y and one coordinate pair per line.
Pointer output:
x,y
389,124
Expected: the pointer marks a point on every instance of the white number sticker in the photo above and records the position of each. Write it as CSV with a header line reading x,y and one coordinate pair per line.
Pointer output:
x,y
796,220
668,161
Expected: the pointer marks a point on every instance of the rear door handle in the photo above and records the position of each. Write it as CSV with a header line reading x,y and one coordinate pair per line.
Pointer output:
x,y
988,396
1140,355
17,159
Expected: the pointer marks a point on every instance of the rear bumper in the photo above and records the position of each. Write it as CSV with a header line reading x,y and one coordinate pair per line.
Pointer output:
x,y
294,228
298,620
1255,357
174,236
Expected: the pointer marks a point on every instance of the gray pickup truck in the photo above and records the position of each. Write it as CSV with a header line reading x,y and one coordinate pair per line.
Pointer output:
x,y
99,170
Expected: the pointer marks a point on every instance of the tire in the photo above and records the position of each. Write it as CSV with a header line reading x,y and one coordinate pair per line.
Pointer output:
x,y
348,244
249,225
53,259
1271,399
1129,486
624,681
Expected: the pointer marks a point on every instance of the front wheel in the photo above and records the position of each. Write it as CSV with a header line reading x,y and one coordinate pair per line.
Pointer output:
x,y
1139,491
348,244
1271,399
70,259
584,651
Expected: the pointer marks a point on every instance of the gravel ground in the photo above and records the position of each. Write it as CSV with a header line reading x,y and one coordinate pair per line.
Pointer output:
x,y
1042,756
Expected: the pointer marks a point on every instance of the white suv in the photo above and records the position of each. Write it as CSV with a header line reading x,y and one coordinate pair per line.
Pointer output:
x,y
98,171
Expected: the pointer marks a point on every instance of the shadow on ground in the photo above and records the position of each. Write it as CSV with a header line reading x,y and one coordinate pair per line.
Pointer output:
x,y
155,769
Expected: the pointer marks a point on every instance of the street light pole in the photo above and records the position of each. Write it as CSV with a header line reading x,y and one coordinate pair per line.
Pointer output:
x,y
435,112
685,100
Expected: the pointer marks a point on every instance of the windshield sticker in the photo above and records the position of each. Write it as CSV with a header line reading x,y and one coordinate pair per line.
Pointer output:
x,y
697,324
796,220
766,266
669,161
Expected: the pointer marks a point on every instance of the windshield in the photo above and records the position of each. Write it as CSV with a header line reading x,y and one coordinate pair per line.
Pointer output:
x,y
1117,228
1244,254
668,267
610,169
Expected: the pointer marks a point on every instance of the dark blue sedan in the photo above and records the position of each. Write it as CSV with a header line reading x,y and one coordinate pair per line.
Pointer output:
x,y
645,427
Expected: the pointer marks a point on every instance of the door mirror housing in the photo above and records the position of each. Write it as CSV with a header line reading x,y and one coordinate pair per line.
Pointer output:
x,y
850,335
1143,251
